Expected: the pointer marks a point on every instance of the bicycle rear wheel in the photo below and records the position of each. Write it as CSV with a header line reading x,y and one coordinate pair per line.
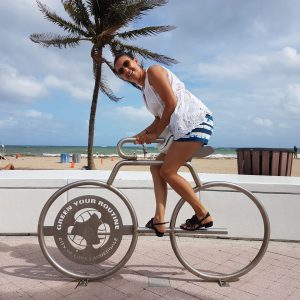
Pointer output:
x,y
243,238
82,234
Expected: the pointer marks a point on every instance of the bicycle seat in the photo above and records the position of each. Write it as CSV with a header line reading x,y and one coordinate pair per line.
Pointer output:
x,y
203,152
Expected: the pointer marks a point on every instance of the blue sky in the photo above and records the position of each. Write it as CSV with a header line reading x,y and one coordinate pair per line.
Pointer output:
x,y
241,58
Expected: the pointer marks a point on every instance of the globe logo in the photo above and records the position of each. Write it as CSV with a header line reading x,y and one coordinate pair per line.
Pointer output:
x,y
88,229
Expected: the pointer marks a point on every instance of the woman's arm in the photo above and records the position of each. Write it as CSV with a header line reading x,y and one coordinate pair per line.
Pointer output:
x,y
158,78
148,129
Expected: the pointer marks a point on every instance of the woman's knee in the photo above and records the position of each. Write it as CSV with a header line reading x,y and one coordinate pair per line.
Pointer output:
x,y
155,170
166,173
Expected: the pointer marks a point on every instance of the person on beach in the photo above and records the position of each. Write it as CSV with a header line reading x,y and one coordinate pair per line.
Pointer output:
x,y
295,152
8,167
191,124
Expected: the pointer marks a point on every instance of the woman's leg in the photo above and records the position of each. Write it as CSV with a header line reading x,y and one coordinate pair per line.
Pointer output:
x,y
9,167
160,191
177,156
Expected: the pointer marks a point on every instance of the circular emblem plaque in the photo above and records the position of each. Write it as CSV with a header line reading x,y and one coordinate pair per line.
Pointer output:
x,y
88,229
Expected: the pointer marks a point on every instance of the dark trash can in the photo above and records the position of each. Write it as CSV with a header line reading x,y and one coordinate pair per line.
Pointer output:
x,y
265,161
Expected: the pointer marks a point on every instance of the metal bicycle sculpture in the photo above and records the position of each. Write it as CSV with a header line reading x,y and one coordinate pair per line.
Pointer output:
x,y
84,235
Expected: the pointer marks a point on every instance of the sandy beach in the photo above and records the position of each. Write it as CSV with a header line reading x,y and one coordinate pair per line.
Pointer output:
x,y
205,165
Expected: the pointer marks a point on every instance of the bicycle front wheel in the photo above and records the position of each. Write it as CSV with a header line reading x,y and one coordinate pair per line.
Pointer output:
x,y
82,233
234,245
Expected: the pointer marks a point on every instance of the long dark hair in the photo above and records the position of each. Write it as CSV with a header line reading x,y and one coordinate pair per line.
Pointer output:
x,y
131,56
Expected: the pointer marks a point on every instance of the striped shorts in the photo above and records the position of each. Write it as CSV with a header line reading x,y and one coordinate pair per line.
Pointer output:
x,y
200,134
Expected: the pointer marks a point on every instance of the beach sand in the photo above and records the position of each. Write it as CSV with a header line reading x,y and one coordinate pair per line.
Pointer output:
x,y
204,165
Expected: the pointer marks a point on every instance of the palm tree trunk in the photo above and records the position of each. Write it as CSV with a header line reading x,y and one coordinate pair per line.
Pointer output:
x,y
91,163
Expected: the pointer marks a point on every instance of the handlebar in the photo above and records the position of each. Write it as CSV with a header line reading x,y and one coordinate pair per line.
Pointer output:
x,y
132,140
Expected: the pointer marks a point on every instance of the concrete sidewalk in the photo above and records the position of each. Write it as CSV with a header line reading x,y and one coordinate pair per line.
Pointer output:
x,y
153,272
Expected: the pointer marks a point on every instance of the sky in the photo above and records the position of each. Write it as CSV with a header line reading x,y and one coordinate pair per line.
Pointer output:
x,y
241,58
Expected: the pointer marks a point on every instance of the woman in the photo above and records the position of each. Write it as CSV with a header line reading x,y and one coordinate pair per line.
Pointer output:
x,y
191,124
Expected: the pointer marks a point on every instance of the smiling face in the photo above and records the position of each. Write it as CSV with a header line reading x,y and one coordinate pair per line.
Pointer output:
x,y
129,69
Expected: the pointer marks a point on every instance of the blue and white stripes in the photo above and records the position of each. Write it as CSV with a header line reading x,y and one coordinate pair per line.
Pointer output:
x,y
200,134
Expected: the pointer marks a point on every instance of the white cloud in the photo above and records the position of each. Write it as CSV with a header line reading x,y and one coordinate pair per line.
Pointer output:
x,y
31,115
25,126
21,125
263,122
77,92
34,114
7,122
259,27
19,87
242,66
290,53
284,125
291,98
135,114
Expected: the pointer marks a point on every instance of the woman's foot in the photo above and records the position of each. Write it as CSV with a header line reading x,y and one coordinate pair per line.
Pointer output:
x,y
195,223
158,227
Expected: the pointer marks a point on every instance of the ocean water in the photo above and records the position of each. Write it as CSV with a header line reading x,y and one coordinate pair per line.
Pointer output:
x,y
12,150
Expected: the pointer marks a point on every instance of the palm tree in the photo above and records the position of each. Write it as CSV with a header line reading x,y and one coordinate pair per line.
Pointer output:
x,y
100,22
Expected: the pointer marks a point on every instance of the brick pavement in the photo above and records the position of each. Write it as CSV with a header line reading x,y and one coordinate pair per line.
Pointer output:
x,y
153,272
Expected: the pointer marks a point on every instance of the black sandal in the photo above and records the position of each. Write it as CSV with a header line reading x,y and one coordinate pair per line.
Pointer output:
x,y
152,225
194,223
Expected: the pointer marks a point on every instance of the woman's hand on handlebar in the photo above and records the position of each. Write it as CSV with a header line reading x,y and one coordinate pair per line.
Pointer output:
x,y
146,138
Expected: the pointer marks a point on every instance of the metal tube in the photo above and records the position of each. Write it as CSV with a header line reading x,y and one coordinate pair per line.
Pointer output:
x,y
132,140
260,252
194,174
181,232
122,163
143,162
128,230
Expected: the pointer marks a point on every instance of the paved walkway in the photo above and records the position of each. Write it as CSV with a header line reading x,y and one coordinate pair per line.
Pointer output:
x,y
153,272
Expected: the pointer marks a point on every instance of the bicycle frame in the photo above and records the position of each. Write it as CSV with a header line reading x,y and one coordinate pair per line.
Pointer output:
x,y
131,160
134,230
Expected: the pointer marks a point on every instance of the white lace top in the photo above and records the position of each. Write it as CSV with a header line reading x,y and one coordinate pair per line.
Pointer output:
x,y
189,112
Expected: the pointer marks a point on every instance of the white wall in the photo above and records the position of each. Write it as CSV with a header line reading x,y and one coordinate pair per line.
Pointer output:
x,y
23,194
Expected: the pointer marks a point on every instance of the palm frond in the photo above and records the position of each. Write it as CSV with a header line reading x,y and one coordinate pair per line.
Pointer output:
x,y
111,15
146,31
78,12
103,84
127,11
104,88
146,5
100,9
65,25
94,10
120,13
55,40
110,65
117,47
